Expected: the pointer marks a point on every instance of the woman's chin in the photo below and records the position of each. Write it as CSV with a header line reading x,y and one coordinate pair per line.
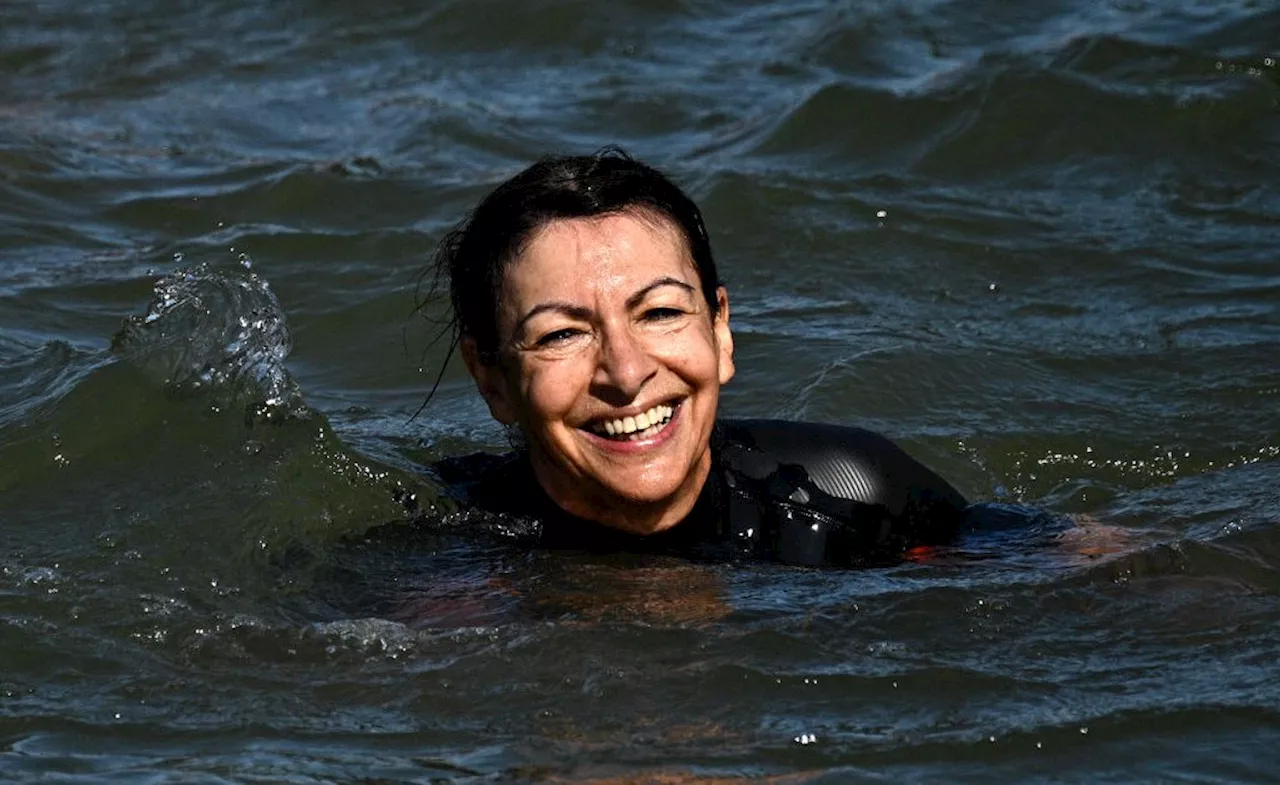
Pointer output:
x,y
643,484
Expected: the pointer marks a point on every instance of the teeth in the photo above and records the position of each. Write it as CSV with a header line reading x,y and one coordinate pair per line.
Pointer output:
x,y
655,418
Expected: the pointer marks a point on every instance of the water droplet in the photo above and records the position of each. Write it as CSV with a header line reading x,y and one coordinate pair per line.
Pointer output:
x,y
38,575
993,287
178,257
882,214
1084,731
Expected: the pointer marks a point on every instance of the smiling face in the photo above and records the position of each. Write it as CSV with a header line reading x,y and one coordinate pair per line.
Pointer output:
x,y
610,362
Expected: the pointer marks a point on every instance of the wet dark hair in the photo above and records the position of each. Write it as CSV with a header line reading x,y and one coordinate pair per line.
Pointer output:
x,y
472,258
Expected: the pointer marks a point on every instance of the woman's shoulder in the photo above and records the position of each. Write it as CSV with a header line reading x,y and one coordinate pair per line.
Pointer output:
x,y
489,480
818,494
842,461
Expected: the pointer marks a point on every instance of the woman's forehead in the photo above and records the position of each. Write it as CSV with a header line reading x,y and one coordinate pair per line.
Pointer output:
x,y
617,249
632,227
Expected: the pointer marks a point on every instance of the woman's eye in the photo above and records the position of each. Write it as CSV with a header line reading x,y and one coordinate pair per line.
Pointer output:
x,y
662,314
558,337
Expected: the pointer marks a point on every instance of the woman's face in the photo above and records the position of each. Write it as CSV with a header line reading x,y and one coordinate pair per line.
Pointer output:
x,y
611,364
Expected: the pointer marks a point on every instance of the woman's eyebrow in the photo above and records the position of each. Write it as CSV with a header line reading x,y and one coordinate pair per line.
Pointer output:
x,y
584,314
639,296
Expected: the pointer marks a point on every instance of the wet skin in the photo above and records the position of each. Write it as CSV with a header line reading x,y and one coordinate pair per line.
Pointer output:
x,y
600,320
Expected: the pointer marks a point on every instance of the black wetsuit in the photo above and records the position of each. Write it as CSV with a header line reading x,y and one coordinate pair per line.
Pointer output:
x,y
797,493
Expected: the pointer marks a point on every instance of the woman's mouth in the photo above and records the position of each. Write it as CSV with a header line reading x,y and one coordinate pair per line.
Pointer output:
x,y
645,425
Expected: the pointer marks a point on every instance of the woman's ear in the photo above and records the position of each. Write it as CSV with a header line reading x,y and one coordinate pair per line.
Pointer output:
x,y
490,381
724,338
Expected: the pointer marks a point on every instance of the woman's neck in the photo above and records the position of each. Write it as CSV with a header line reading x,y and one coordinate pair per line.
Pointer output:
x,y
607,509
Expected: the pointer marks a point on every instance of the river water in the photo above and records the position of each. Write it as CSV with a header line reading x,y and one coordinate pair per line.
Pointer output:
x,y
1036,243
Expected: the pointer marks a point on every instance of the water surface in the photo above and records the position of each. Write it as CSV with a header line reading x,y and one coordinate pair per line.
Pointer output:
x,y
1033,242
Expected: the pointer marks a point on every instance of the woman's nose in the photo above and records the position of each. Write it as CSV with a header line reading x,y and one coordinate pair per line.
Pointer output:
x,y
624,367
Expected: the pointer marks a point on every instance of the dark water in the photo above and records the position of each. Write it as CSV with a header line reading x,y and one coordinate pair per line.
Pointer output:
x,y
1035,242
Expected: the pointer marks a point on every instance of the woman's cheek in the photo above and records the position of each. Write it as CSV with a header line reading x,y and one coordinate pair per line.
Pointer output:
x,y
688,348
552,387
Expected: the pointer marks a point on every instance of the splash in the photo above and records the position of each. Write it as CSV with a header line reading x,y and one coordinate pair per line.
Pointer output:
x,y
220,333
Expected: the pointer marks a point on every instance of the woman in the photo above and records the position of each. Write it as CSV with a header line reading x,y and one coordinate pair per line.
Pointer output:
x,y
588,310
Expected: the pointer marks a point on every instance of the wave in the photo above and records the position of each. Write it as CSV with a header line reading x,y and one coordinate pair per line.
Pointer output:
x,y
1079,106
223,332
